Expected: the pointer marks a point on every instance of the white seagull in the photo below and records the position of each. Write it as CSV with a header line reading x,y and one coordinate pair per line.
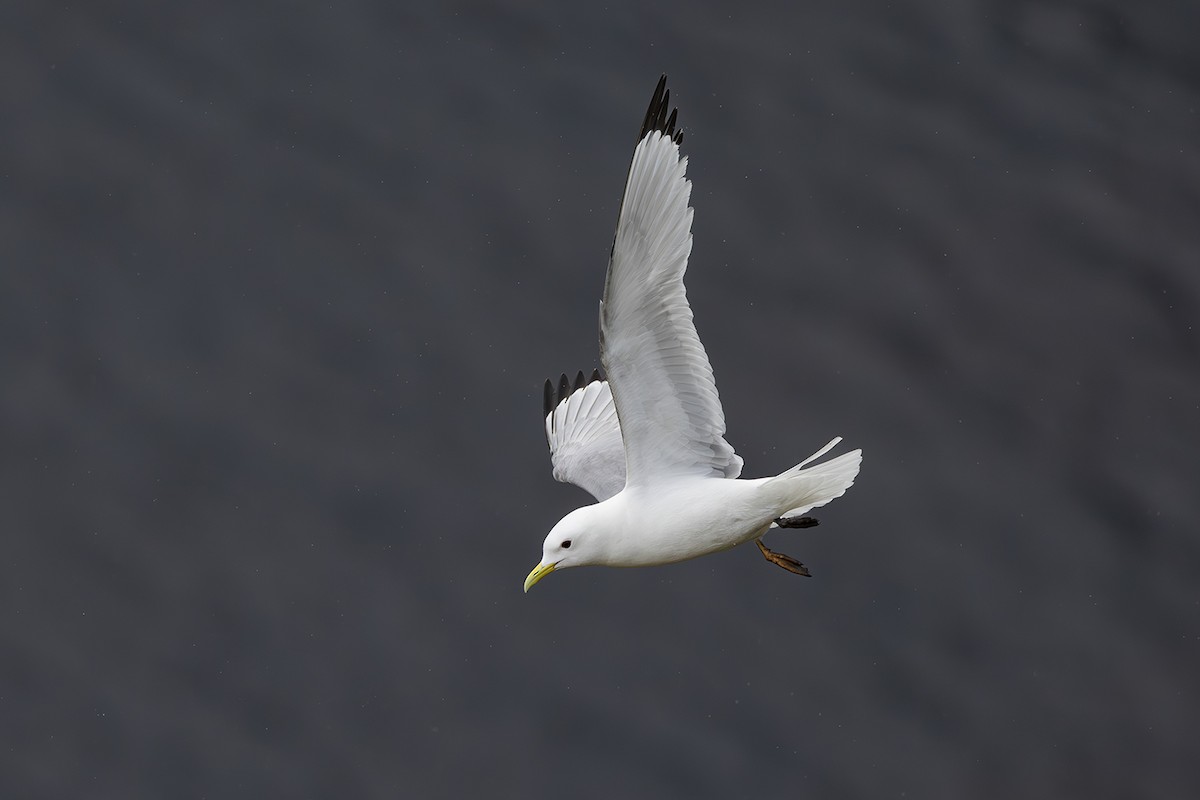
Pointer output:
x,y
649,443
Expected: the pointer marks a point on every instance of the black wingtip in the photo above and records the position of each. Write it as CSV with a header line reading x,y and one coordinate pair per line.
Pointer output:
x,y
657,118
553,395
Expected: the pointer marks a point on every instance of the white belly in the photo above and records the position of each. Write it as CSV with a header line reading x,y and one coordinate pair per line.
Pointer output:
x,y
687,518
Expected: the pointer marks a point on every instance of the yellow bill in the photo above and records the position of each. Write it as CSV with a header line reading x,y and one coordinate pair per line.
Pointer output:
x,y
539,572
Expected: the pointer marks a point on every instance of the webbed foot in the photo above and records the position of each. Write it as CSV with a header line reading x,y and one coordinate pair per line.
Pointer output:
x,y
797,522
784,561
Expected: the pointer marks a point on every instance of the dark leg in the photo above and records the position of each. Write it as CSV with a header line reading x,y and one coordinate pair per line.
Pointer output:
x,y
780,560
797,522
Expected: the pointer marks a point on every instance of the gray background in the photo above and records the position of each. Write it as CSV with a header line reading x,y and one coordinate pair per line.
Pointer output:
x,y
281,283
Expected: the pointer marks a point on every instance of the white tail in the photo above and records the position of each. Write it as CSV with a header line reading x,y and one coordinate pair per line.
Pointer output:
x,y
801,489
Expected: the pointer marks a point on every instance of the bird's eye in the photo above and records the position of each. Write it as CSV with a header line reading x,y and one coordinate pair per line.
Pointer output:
x,y
566,543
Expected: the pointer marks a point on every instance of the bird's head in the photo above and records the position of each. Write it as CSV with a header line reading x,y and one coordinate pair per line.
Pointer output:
x,y
570,543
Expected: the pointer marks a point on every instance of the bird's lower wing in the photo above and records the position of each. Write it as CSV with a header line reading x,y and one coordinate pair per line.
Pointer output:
x,y
584,435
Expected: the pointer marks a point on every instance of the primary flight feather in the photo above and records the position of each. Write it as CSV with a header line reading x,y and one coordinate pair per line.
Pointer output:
x,y
649,442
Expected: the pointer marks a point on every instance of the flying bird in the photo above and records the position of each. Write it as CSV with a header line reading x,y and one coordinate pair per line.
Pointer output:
x,y
648,442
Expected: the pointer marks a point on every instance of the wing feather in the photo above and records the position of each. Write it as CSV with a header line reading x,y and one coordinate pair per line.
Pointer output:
x,y
584,435
661,380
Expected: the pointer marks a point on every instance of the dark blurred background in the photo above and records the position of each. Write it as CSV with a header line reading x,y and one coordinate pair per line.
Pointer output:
x,y
279,286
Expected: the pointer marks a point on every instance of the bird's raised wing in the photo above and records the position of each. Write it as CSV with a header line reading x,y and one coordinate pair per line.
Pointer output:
x,y
661,381
584,435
